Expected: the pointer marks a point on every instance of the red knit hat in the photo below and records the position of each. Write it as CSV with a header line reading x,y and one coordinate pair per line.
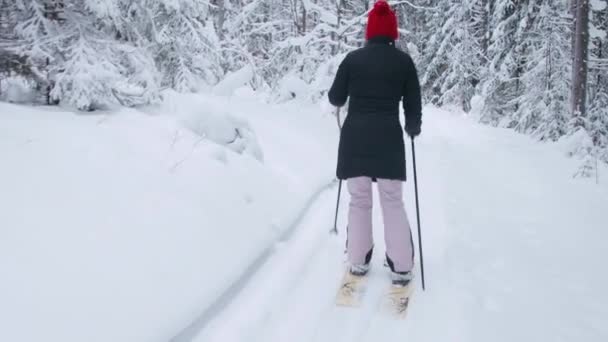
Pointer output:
x,y
382,21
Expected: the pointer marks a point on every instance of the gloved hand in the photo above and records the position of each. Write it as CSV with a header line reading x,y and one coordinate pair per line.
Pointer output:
x,y
413,130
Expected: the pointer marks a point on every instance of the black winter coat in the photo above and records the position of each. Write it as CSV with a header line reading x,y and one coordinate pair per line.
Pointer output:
x,y
375,78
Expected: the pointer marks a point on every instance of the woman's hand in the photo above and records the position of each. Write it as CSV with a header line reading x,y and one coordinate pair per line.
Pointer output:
x,y
412,130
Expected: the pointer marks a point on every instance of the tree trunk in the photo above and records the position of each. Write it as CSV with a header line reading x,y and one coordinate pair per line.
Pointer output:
x,y
304,15
580,65
336,36
573,5
221,18
599,74
487,8
294,13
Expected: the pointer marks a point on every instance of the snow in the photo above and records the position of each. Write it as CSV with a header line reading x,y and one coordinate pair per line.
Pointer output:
x,y
127,225
234,81
598,5
576,143
513,252
291,87
16,90
210,120
122,226
594,32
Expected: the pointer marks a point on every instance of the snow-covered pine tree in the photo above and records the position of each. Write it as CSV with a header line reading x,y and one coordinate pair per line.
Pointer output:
x,y
186,47
249,29
354,20
433,53
453,58
8,21
464,56
41,36
501,88
416,20
597,123
336,16
316,22
543,106
9,61
92,53
98,65
482,11
598,48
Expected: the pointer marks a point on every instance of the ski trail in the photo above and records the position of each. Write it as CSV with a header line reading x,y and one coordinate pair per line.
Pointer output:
x,y
291,297
192,330
495,256
281,277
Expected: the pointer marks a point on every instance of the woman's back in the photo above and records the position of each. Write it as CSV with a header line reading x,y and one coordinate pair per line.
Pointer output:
x,y
376,77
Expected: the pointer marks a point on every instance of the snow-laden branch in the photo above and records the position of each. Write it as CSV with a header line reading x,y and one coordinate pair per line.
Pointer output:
x,y
409,3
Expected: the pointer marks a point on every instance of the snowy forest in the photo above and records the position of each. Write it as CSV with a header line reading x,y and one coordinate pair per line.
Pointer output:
x,y
536,66
177,170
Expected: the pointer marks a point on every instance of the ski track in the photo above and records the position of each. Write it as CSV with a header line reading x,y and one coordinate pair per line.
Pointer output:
x,y
225,298
492,218
292,296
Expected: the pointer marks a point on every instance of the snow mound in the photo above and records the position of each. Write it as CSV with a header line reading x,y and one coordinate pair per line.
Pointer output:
x,y
291,87
234,81
477,105
227,130
210,120
576,144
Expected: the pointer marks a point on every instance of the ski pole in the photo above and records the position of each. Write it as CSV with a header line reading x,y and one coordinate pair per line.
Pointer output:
x,y
335,229
418,214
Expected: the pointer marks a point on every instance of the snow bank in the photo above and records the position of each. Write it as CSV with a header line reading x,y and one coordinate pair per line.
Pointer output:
x,y
124,226
211,120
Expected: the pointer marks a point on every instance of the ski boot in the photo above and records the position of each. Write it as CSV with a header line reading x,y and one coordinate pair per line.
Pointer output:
x,y
401,279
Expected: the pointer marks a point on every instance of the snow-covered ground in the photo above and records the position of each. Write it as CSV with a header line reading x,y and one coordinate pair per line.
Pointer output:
x,y
123,226
515,250
130,226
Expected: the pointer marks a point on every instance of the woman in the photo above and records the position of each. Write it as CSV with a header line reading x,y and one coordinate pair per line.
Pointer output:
x,y
375,79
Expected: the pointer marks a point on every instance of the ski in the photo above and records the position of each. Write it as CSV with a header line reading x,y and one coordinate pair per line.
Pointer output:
x,y
351,290
396,300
